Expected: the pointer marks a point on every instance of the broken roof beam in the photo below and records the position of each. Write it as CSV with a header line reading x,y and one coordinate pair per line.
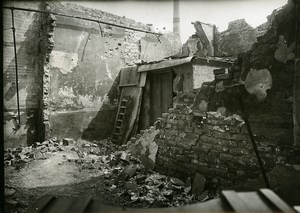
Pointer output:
x,y
200,32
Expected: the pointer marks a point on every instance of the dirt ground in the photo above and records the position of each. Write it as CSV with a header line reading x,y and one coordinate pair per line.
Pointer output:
x,y
83,168
110,175
56,175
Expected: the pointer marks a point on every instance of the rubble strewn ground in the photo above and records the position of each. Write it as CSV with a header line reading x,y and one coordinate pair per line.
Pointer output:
x,y
108,173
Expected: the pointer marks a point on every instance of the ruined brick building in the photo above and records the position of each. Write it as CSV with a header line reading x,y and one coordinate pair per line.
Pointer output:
x,y
75,73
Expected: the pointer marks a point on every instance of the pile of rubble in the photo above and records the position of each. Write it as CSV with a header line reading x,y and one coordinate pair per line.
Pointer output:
x,y
125,169
18,157
143,187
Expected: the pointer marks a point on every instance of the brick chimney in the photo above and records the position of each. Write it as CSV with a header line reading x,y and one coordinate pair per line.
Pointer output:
x,y
176,17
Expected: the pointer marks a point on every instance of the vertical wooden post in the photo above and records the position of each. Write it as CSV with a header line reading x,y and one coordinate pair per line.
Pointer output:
x,y
16,66
245,117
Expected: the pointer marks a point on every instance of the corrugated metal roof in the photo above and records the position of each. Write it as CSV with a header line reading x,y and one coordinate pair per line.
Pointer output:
x,y
164,64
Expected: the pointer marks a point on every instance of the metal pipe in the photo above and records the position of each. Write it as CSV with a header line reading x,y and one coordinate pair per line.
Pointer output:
x,y
78,17
16,65
245,118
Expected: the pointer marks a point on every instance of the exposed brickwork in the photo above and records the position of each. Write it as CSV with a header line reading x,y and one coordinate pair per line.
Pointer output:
x,y
48,44
204,132
214,145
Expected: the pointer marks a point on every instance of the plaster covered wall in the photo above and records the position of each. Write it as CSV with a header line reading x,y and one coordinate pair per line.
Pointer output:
x,y
85,61
27,26
201,74
183,81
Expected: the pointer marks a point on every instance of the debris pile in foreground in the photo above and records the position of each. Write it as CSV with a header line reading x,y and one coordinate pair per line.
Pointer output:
x,y
125,173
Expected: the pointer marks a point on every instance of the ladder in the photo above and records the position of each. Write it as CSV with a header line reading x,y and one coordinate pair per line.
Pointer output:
x,y
119,121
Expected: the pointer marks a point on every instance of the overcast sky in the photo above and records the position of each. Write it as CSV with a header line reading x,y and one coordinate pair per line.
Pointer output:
x,y
218,12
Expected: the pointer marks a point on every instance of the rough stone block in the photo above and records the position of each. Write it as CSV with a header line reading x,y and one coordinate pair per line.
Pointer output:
x,y
191,136
183,158
198,184
206,147
215,153
189,141
181,123
198,130
168,126
188,129
238,151
219,71
165,115
223,76
184,146
68,141
226,157
177,139
198,150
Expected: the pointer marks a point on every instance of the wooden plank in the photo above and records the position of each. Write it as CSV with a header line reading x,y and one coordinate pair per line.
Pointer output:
x,y
61,204
129,76
161,95
155,98
143,79
164,64
297,209
145,108
237,204
275,200
80,204
136,123
40,204
137,96
257,204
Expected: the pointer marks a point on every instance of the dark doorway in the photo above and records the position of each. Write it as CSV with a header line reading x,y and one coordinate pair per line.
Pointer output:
x,y
161,94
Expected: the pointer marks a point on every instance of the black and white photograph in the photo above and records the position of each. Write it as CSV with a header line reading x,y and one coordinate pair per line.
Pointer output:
x,y
114,106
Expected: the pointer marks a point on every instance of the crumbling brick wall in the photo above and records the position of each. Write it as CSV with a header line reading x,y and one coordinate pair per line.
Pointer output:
x,y
204,131
237,39
214,145
273,53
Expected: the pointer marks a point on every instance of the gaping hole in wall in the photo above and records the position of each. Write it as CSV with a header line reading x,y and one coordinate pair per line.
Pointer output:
x,y
110,108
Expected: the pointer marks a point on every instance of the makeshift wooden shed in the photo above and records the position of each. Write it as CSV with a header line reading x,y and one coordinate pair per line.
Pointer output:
x,y
147,90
